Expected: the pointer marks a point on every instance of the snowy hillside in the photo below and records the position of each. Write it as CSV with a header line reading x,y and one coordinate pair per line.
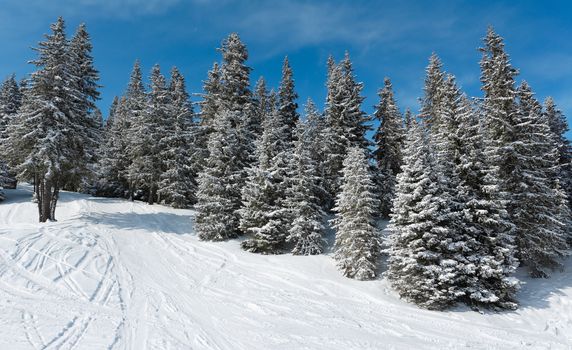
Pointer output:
x,y
112,274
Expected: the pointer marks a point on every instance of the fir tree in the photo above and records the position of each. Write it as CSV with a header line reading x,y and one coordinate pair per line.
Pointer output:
x,y
218,195
432,91
287,101
307,230
346,122
357,246
148,133
538,205
177,181
389,141
559,128
422,264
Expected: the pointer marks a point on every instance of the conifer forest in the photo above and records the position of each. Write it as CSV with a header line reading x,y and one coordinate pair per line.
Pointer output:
x,y
459,206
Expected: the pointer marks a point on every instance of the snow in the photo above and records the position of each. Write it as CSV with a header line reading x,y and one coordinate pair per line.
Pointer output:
x,y
112,274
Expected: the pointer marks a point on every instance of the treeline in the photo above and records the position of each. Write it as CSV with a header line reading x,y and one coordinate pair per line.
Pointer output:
x,y
473,187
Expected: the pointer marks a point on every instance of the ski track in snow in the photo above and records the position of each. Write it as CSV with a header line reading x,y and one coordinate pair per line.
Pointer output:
x,y
112,274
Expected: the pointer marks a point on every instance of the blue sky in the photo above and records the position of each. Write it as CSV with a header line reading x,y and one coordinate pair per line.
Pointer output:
x,y
384,38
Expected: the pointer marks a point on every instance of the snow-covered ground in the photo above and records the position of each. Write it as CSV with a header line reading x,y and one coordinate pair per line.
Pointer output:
x,y
112,274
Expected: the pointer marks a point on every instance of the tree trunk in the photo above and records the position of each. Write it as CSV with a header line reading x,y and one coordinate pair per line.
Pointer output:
x,y
151,198
54,199
45,199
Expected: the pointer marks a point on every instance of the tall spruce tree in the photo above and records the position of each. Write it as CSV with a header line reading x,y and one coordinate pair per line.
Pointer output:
x,y
178,184
559,128
218,194
432,89
287,101
389,142
148,133
346,122
357,246
538,205
48,137
307,229
422,264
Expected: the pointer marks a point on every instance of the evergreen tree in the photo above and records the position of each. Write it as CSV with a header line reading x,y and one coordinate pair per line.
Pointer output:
x,y
262,99
389,141
559,128
484,251
133,107
538,205
433,87
307,230
209,106
357,246
10,102
422,264
346,122
48,138
287,101
218,195
177,181
264,195
315,134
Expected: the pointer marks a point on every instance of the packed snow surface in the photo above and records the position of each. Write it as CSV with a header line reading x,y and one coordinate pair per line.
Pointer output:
x,y
112,274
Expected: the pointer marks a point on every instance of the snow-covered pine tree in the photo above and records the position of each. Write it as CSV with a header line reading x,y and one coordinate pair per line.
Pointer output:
x,y
408,118
115,158
133,108
267,183
346,123
287,101
423,263
148,133
178,186
259,196
209,106
559,128
307,230
236,97
432,90
357,246
44,141
316,126
389,139
87,124
218,195
482,248
538,205
262,102
10,102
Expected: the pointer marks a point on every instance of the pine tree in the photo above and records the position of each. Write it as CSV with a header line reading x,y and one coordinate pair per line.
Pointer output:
x,y
389,141
484,251
87,115
559,128
218,195
422,264
433,86
307,230
315,134
49,136
10,102
265,190
287,101
538,205
263,103
134,106
209,106
346,122
177,181
148,134
357,246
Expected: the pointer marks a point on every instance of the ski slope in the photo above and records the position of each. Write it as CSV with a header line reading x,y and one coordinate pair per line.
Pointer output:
x,y
112,274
